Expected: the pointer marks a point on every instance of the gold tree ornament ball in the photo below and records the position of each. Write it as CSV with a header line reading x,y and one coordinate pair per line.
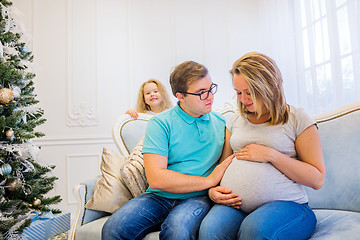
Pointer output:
x,y
6,95
10,133
15,184
37,202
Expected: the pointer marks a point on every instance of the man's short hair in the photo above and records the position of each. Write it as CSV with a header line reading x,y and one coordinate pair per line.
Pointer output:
x,y
184,74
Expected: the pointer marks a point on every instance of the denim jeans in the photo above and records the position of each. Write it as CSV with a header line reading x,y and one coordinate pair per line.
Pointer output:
x,y
274,220
176,219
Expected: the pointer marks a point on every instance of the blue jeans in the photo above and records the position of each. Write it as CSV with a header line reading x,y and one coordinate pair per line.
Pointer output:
x,y
274,220
176,219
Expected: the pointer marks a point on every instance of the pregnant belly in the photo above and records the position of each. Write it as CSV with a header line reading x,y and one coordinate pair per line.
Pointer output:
x,y
258,183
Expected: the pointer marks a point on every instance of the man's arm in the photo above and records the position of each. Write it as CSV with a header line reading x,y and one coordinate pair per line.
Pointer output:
x,y
220,194
161,178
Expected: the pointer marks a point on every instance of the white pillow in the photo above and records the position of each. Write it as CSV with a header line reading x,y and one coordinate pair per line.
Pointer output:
x,y
109,192
258,183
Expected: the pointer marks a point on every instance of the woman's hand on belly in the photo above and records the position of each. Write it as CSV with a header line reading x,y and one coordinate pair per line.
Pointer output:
x,y
225,196
256,153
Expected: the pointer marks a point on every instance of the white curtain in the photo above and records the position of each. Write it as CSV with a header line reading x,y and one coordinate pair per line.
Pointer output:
x,y
317,46
278,38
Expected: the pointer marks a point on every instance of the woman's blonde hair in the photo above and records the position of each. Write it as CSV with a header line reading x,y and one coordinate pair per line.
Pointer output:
x,y
142,107
265,84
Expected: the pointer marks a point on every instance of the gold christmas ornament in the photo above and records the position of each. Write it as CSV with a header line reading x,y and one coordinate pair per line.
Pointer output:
x,y
9,133
15,184
6,95
37,202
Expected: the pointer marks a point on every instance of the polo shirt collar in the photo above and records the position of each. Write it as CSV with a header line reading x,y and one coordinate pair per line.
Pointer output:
x,y
188,118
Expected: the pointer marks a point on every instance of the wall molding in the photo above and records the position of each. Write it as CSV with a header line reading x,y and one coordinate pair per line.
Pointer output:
x,y
64,141
82,64
69,159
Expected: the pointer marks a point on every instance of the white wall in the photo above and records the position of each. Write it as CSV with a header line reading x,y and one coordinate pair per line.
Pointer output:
x,y
93,55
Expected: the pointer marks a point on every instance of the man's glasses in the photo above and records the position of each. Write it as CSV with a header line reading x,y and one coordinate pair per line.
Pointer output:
x,y
205,93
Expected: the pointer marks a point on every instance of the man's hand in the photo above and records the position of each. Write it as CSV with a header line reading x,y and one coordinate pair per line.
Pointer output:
x,y
217,174
224,196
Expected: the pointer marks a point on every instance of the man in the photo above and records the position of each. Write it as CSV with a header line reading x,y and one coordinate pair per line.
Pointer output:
x,y
181,150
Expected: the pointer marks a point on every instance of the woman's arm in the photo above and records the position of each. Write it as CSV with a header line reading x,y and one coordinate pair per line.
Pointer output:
x,y
226,151
310,171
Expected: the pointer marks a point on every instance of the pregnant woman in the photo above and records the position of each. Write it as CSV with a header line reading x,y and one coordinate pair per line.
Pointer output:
x,y
277,149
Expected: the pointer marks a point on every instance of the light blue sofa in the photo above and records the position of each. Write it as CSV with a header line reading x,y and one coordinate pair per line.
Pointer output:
x,y
336,204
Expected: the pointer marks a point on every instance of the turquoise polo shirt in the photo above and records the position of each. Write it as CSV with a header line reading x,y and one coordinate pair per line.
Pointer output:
x,y
192,145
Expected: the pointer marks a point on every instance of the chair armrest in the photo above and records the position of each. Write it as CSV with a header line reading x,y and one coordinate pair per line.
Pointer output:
x,y
82,193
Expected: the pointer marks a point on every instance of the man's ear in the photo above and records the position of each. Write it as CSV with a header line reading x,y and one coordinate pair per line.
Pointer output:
x,y
180,97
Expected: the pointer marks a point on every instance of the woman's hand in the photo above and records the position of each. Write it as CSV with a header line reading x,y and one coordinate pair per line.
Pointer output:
x,y
256,153
224,196
133,113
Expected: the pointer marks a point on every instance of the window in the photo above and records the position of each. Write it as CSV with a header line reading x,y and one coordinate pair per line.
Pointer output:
x,y
328,53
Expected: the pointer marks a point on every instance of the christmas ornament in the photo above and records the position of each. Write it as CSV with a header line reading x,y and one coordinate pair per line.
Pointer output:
x,y
17,91
10,134
31,152
23,83
24,50
36,202
15,184
5,169
6,96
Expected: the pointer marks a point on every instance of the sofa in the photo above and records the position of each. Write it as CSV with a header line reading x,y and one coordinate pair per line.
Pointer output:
x,y
336,204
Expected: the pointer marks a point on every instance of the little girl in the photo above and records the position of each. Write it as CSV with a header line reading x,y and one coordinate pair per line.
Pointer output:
x,y
152,99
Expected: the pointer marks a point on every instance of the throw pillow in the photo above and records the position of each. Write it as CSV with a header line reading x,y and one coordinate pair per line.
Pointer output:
x,y
133,172
109,193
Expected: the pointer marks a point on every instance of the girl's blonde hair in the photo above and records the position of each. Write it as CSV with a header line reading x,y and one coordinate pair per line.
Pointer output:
x,y
265,83
142,107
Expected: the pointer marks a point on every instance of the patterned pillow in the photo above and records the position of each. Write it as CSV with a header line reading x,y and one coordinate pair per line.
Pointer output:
x,y
110,192
133,173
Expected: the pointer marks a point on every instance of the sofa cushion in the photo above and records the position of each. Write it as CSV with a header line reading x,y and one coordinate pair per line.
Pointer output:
x,y
331,225
340,143
109,192
92,231
133,173
335,225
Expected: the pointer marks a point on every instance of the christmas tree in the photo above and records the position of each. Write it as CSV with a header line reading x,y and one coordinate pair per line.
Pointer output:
x,y
23,181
